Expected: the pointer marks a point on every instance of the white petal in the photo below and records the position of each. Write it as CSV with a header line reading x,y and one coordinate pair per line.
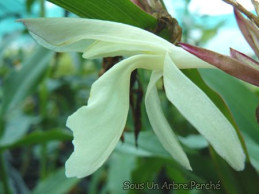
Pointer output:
x,y
98,126
98,38
76,34
108,49
184,59
160,125
201,112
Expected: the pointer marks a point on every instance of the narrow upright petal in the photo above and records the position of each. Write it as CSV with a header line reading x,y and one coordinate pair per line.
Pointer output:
x,y
160,125
201,112
98,126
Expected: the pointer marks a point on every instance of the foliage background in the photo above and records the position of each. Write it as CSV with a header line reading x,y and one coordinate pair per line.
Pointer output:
x,y
39,89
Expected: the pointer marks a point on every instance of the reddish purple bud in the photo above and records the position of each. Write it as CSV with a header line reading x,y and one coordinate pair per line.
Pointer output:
x,y
227,64
244,58
249,30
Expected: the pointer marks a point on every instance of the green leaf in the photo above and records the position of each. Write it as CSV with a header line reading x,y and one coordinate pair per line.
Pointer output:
x,y
39,137
21,83
194,141
57,183
148,145
120,167
242,103
5,42
147,170
16,129
226,177
1,188
122,11
253,151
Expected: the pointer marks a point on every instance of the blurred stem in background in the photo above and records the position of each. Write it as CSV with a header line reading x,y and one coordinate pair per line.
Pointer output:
x,y
42,8
3,174
43,108
243,10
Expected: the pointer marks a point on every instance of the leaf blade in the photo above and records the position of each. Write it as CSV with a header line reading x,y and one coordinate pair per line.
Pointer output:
x,y
123,11
20,84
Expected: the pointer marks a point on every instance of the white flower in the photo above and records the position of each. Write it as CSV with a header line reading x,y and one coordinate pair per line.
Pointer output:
x,y
98,126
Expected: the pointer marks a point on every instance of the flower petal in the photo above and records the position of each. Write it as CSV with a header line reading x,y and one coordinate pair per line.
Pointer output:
x,y
160,125
97,38
201,112
185,60
98,126
76,34
108,49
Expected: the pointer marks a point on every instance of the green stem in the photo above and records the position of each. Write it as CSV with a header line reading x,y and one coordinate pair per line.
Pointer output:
x,y
42,8
3,175
43,161
2,124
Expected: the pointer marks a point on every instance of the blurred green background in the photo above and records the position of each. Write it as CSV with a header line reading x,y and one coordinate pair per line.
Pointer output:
x,y
39,89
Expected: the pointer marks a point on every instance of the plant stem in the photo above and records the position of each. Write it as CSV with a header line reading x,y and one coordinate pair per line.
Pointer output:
x,y
3,175
43,162
42,8
237,5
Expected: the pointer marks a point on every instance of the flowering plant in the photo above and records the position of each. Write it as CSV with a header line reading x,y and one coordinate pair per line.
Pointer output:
x,y
98,126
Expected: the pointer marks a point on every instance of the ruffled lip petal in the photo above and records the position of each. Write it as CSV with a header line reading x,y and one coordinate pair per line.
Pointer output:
x,y
98,126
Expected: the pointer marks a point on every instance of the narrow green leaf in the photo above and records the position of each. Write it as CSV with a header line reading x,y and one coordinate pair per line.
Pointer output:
x,y
16,129
253,151
7,41
122,11
194,141
226,176
21,83
39,137
148,145
57,183
120,167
